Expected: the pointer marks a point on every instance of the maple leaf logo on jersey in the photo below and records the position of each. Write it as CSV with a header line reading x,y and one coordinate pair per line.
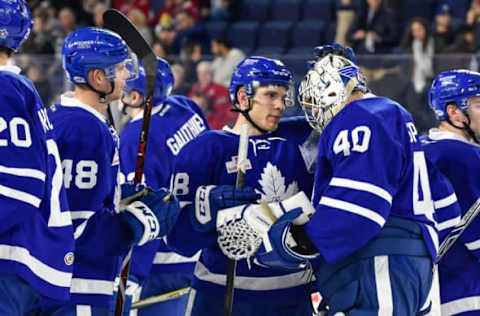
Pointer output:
x,y
273,185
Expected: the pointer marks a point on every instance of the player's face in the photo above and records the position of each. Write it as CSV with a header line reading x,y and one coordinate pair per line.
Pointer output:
x,y
121,75
268,105
474,114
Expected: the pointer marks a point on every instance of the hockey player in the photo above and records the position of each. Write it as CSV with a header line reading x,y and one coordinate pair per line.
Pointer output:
x,y
373,227
34,209
453,147
206,167
95,62
175,121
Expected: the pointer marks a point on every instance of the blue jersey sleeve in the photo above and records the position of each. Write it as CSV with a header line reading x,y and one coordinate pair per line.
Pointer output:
x,y
354,184
22,152
192,169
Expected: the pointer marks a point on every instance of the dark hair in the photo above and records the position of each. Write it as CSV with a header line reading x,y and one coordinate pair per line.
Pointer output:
x,y
222,40
6,50
407,40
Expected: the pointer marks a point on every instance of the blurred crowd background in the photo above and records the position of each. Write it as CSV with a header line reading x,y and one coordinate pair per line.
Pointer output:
x,y
400,44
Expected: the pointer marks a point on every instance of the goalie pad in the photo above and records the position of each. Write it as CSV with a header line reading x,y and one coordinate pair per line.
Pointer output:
x,y
242,229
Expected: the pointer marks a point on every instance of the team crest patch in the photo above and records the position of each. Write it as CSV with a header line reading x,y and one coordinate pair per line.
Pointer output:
x,y
69,258
232,165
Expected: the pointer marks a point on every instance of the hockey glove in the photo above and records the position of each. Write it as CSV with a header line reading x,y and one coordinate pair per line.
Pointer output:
x,y
152,216
279,249
210,199
242,228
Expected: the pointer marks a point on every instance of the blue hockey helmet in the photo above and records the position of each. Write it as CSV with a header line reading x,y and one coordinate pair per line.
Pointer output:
x,y
163,84
15,23
164,81
455,86
93,48
258,71
138,83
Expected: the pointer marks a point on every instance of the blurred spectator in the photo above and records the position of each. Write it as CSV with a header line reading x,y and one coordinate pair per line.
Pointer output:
x,y
443,31
419,42
220,10
98,11
345,18
473,18
126,6
374,29
166,34
138,18
217,93
159,49
67,23
464,41
190,31
204,103
40,41
179,84
172,7
225,61
35,73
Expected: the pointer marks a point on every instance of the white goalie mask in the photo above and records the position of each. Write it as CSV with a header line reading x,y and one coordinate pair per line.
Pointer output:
x,y
326,88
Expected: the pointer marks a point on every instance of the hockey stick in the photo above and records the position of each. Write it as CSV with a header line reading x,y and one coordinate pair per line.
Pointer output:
x,y
160,298
119,23
457,231
240,182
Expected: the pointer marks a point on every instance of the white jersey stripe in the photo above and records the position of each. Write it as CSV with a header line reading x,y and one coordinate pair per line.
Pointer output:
x,y
353,208
91,286
20,196
474,245
448,223
83,310
81,214
191,300
449,200
254,283
173,257
24,172
40,269
462,305
384,288
362,186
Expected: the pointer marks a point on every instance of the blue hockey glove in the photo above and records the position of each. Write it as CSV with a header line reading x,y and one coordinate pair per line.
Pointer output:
x,y
152,216
336,49
210,199
278,247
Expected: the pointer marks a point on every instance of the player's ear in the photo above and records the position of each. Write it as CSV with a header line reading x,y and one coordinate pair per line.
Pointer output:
x,y
96,77
242,99
455,114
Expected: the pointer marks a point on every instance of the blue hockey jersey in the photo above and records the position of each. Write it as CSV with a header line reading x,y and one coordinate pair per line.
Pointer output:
x,y
89,152
173,124
370,167
459,270
36,235
277,170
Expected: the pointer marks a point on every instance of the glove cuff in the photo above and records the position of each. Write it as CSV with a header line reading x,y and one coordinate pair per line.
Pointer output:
x,y
202,205
143,222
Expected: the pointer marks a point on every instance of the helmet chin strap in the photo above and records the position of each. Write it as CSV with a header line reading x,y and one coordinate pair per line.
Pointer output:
x,y
466,127
102,95
247,116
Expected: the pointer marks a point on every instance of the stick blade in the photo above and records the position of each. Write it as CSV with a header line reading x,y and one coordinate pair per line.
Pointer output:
x,y
117,22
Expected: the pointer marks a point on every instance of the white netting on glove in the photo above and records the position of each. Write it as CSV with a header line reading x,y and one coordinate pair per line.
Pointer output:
x,y
238,240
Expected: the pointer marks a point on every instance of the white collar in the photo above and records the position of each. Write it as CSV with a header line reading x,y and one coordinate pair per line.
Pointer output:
x,y
67,99
436,134
11,68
